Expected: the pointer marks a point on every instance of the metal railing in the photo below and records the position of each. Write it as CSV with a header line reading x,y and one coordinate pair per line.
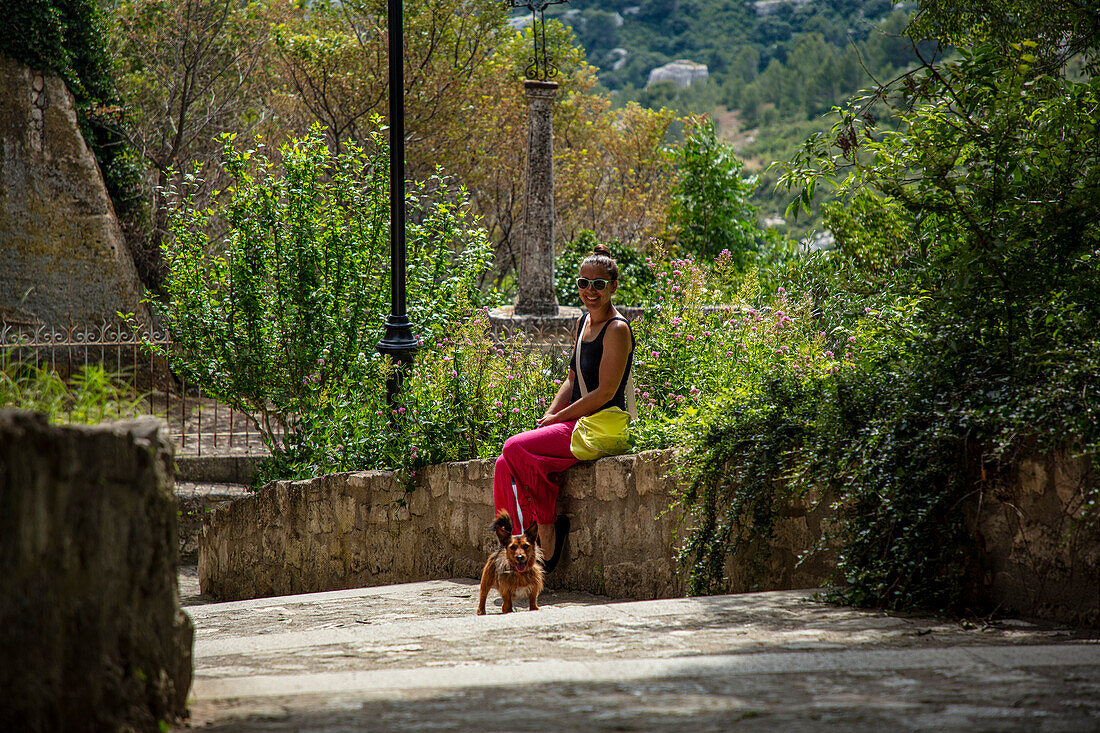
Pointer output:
x,y
198,424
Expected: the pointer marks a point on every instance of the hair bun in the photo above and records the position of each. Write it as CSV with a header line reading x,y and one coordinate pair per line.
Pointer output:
x,y
601,249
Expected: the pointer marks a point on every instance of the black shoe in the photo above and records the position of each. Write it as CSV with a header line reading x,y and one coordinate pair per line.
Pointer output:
x,y
561,531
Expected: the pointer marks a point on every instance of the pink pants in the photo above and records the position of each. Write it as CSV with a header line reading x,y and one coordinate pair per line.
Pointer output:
x,y
529,458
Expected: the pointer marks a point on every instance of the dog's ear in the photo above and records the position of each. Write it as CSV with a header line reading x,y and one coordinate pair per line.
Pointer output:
x,y
502,528
532,533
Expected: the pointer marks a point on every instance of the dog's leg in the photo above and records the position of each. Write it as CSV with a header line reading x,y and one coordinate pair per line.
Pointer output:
x,y
533,599
506,598
487,578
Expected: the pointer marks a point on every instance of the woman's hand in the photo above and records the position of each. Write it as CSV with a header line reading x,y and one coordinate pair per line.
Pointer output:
x,y
548,419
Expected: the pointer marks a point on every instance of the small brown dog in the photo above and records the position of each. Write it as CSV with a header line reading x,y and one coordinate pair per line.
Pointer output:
x,y
516,564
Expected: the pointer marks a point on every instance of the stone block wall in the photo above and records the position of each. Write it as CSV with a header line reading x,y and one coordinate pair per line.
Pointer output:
x,y
1038,552
92,636
360,529
1038,557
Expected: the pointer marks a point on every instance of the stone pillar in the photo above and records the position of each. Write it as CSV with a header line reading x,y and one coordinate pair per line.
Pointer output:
x,y
535,279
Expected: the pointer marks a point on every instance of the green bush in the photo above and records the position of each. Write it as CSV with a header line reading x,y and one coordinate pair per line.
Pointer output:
x,y
281,316
966,268
710,210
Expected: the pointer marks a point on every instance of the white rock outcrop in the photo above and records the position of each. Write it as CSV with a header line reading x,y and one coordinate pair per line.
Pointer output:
x,y
682,72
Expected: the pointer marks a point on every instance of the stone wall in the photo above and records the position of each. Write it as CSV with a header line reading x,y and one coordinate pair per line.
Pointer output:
x,y
92,636
1037,557
360,529
62,254
1039,554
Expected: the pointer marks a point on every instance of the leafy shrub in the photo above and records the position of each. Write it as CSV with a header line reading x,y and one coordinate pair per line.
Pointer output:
x,y
966,273
281,316
462,398
710,210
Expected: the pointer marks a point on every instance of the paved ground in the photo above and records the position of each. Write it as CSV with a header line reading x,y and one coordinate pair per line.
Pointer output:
x,y
415,657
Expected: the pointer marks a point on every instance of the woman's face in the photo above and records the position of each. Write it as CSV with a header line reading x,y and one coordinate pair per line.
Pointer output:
x,y
590,296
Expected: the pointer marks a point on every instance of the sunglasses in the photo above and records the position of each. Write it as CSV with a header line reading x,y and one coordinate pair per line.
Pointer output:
x,y
583,283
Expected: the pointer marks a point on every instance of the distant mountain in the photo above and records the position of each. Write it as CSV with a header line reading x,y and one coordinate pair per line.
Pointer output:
x,y
711,32
773,67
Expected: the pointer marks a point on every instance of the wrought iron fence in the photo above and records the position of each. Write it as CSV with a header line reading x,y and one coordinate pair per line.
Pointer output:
x,y
198,424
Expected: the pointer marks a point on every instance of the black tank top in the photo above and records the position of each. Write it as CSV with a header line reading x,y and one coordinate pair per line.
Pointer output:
x,y
590,357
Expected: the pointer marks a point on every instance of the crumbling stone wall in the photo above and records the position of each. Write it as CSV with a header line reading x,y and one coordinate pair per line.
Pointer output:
x,y
92,636
62,253
359,529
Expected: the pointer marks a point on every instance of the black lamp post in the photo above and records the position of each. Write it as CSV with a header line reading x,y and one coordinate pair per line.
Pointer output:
x,y
398,340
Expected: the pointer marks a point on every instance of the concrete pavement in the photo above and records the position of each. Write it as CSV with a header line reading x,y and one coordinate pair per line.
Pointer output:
x,y
414,656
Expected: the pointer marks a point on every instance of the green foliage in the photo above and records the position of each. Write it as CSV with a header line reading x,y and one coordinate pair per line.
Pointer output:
x,y
710,211
281,316
462,398
90,395
965,273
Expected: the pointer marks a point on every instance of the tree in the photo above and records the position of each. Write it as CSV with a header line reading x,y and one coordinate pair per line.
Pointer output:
x,y
190,71
336,60
978,211
710,212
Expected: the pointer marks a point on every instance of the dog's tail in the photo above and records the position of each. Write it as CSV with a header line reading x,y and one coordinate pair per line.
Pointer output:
x,y
503,523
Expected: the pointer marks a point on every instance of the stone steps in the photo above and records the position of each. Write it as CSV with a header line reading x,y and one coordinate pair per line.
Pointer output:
x,y
195,500
415,657
203,484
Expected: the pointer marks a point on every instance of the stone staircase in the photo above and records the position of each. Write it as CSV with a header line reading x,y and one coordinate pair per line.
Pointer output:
x,y
415,657
202,484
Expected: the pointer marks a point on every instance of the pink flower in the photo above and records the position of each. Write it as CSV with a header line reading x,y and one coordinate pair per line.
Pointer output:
x,y
401,410
828,355
690,337
729,353
498,403
675,288
851,339
515,409
655,354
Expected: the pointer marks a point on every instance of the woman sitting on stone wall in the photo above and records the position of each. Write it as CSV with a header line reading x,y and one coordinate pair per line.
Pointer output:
x,y
586,419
